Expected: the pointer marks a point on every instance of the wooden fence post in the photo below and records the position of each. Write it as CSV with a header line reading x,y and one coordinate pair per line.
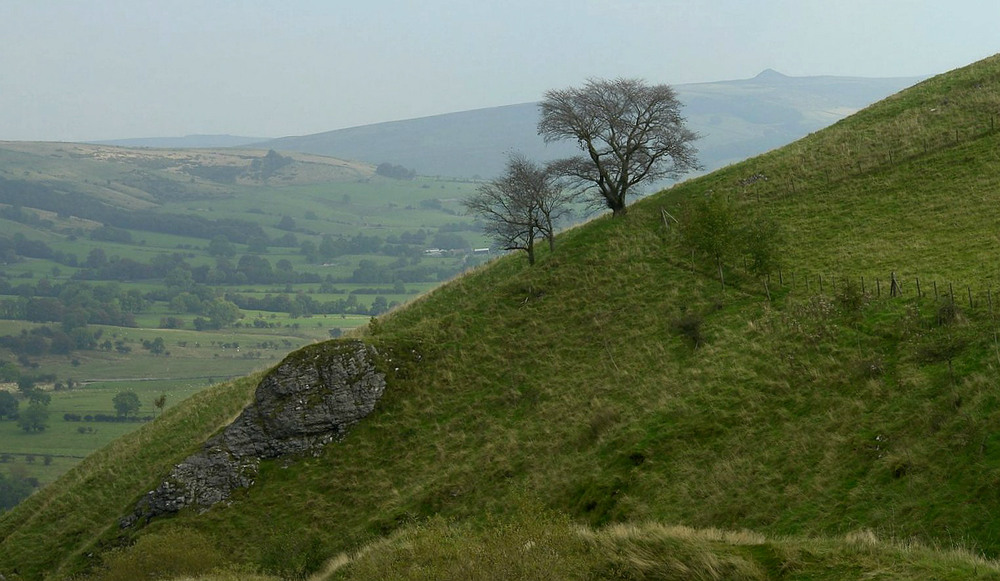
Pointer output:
x,y
918,288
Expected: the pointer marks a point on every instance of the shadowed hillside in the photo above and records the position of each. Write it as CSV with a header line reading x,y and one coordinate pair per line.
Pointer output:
x,y
582,407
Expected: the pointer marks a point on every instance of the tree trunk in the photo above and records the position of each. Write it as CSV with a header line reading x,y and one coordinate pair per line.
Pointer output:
x,y
615,202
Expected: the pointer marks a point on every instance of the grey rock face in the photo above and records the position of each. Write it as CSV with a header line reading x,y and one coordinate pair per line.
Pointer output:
x,y
309,400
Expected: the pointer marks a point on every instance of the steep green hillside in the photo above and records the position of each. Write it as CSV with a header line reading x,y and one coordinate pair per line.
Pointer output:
x,y
616,383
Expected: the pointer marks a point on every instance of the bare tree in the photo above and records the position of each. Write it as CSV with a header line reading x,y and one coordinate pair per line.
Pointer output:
x,y
160,402
520,206
630,133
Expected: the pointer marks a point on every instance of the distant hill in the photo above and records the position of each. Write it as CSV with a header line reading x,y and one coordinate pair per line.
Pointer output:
x,y
737,119
185,142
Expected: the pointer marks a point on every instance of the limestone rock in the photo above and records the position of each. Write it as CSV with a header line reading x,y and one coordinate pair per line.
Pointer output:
x,y
309,400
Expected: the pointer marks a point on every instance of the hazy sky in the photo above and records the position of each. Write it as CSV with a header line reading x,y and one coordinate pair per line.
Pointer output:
x,y
74,70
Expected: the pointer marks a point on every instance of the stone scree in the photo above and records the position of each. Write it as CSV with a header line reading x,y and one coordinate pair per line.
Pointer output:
x,y
309,400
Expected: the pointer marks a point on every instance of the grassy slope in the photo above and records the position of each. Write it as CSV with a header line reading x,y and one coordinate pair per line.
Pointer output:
x,y
538,548
568,382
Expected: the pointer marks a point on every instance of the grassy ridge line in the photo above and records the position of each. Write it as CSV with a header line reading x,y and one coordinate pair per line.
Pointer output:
x,y
63,521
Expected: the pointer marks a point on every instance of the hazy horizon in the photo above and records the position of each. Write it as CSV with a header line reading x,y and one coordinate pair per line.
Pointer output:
x,y
116,69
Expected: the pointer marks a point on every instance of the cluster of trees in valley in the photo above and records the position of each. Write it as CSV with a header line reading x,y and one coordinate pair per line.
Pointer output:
x,y
15,487
76,303
21,194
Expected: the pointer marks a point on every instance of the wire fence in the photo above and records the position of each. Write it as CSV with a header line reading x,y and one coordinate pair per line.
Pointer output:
x,y
975,297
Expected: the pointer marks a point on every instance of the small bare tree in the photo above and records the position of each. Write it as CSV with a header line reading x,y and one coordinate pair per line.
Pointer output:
x,y
160,402
520,206
629,132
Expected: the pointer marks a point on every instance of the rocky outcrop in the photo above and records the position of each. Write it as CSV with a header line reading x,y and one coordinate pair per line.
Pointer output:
x,y
309,400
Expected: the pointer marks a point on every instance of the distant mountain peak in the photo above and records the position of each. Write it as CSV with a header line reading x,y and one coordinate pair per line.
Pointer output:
x,y
770,75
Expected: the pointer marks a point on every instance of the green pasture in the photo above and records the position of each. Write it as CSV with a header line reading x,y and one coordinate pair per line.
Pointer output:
x,y
195,360
348,207
63,444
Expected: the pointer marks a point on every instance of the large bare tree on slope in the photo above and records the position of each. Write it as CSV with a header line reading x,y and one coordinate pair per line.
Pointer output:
x,y
629,132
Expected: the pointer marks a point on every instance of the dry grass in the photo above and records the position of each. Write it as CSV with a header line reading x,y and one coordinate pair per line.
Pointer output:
x,y
441,549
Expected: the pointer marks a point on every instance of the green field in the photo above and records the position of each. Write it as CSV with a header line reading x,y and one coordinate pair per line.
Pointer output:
x,y
195,360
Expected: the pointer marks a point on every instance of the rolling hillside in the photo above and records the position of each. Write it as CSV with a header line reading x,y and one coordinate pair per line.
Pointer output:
x,y
736,119
612,411
112,260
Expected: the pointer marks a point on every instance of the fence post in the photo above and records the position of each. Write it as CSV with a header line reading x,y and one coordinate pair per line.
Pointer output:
x,y
862,285
781,279
935,291
878,288
918,288
970,296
